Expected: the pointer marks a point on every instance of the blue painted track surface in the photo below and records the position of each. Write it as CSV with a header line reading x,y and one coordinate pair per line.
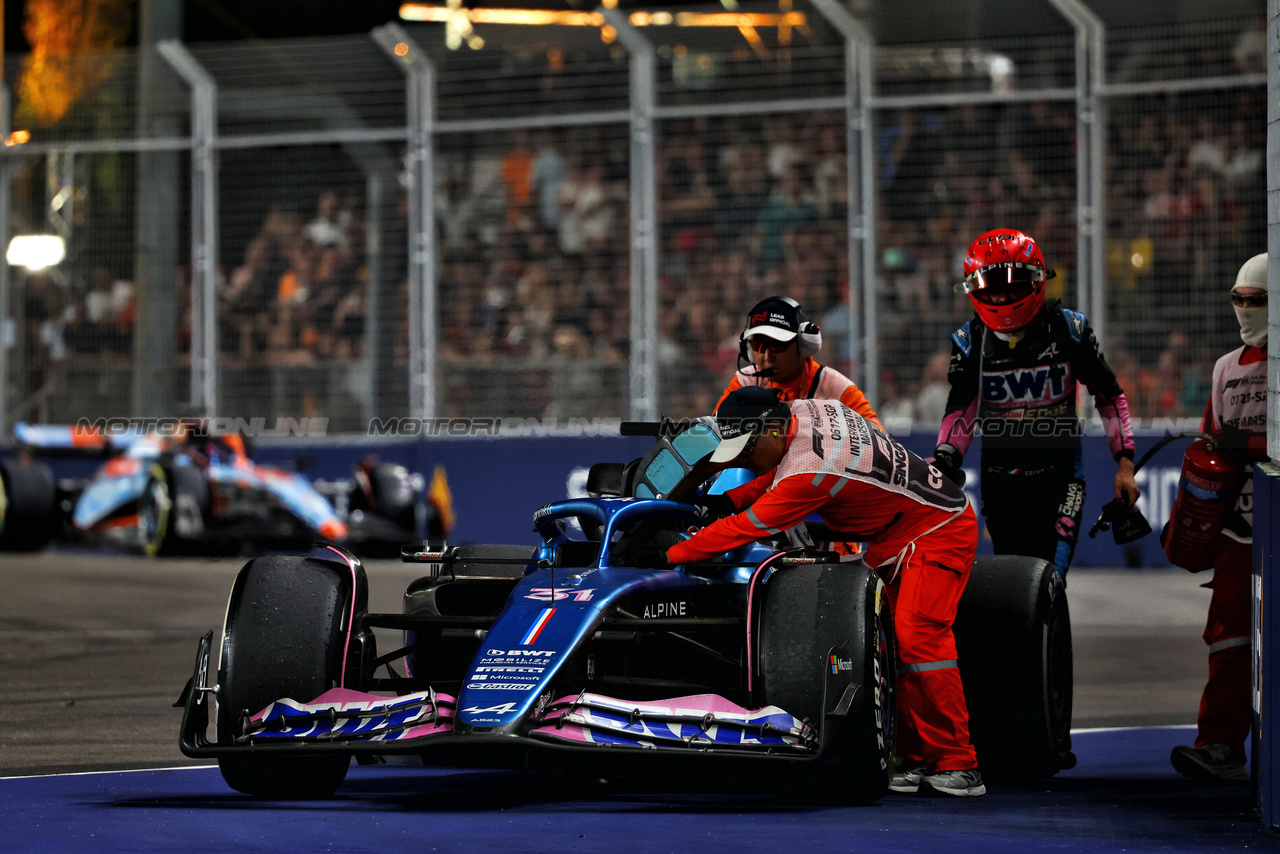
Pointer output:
x,y
1123,796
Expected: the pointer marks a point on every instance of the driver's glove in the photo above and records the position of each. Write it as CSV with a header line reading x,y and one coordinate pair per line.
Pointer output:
x,y
947,460
713,507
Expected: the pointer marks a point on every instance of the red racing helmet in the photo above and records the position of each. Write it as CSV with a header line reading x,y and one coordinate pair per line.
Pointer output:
x,y
1004,276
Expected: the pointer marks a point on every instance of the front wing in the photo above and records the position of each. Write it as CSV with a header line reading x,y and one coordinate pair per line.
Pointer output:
x,y
353,722
701,721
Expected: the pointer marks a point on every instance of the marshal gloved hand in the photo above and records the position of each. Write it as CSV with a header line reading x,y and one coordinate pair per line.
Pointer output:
x,y
713,507
947,460
1234,441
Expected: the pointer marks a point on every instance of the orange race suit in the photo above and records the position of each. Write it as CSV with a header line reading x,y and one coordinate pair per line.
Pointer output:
x,y
815,382
921,535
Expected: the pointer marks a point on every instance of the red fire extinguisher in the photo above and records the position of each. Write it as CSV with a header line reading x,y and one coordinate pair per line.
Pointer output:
x,y
1206,495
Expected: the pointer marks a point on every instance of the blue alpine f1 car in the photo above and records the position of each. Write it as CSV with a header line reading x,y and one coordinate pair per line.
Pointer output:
x,y
775,662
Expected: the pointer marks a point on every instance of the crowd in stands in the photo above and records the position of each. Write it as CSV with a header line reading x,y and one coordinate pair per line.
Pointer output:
x,y
535,266
299,293
750,207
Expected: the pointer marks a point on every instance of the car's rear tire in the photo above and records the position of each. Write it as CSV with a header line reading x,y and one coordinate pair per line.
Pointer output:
x,y
1013,635
811,614
283,637
28,505
390,494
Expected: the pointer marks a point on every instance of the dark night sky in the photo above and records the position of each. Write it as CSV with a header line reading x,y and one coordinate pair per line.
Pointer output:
x,y
220,20
223,19
206,20
210,20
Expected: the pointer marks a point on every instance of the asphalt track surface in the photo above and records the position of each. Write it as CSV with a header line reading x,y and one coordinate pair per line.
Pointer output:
x,y
96,649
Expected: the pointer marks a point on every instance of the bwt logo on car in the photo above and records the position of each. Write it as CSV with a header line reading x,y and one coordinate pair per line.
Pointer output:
x,y
523,653
1040,384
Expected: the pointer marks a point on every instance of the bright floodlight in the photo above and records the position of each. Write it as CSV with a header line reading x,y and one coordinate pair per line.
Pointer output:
x,y
35,251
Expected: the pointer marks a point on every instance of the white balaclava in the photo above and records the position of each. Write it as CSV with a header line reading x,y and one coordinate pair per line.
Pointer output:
x,y
1253,321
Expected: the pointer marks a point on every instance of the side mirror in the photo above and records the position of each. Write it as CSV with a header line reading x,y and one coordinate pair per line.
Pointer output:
x,y
606,479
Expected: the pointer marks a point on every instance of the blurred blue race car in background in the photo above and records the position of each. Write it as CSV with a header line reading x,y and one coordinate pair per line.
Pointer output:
x,y
198,493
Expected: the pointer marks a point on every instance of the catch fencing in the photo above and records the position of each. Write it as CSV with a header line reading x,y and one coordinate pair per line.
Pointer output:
x,y
568,222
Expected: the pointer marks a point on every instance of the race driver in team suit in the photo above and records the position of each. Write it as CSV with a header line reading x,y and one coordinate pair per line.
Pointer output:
x,y
1237,415
819,456
1014,372
780,342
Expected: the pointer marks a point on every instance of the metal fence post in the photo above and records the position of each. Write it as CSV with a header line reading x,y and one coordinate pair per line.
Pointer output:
x,y
644,218
860,147
374,348
8,321
1090,159
204,225
420,77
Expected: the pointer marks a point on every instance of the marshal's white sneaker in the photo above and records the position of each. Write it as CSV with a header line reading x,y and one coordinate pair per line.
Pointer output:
x,y
907,779
954,784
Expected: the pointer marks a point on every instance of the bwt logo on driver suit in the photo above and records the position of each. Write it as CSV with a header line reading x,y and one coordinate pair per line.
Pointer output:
x,y
1029,385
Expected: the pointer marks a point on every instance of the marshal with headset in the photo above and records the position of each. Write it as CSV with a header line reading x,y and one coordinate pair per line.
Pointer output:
x,y
782,319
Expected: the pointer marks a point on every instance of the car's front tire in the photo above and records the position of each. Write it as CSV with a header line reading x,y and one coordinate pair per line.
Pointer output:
x,y
186,515
283,637
28,505
814,619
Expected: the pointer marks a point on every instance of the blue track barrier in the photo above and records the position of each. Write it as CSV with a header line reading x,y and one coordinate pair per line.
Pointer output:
x,y
497,483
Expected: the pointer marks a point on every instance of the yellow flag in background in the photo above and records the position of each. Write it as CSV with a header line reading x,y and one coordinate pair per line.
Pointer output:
x,y
442,500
